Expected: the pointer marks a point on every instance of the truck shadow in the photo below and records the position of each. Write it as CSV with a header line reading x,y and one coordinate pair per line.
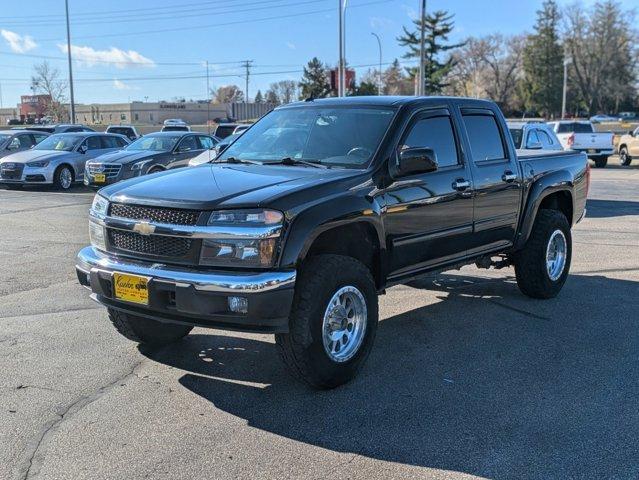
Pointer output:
x,y
611,208
479,380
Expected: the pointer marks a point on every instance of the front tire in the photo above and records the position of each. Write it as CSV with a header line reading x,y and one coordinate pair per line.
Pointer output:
x,y
542,266
624,157
145,330
63,178
600,162
333,321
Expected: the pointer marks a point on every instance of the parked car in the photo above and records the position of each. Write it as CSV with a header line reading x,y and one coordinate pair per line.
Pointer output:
x,y
629,147
223,130
14,121
581,136
176,128
150,154
209,155
601,118
58,159
629,116
173,121
12,141
317,209
60,128
129,131
533,136
241,128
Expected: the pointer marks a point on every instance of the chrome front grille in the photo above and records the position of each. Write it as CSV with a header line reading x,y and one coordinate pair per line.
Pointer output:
x,y
171,216
156,245
111,170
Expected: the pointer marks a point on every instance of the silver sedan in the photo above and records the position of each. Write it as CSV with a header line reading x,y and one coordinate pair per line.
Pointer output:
x,y
58,160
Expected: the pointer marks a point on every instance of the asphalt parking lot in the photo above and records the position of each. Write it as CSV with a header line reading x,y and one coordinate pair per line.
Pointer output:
x,y
468,378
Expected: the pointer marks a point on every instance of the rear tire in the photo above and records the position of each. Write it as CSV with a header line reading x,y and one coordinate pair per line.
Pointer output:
x,y
538,275
333,321
600,162
145,330
63,178
624,157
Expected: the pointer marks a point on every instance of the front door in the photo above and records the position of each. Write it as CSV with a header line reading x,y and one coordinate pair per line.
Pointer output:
x,y
428,217
497,181
184,151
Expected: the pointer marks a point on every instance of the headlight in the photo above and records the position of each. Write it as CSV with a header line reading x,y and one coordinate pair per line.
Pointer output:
x,y
99,207
96,235
38,164
247,238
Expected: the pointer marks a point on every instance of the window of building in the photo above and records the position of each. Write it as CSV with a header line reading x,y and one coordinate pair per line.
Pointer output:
x,y
123,116
136,117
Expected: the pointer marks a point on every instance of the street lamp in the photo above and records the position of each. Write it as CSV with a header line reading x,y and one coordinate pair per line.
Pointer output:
x,y
379,44
341,88
567,61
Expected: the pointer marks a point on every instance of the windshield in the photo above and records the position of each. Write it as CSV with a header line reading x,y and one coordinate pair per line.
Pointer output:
x,y
120,130
517,134
4,137
342,136
62,142
158,143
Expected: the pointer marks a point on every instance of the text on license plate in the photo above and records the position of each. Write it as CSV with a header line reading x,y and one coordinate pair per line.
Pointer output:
x,y
131,288
592,150
99,178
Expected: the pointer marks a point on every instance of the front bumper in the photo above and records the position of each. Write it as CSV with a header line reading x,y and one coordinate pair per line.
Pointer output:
x,y
123,174
193,297
26,175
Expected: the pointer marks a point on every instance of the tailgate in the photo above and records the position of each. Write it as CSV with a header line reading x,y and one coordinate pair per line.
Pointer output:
x,y
601,141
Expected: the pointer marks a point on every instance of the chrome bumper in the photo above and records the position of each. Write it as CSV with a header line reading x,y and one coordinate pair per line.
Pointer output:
x,y
90,260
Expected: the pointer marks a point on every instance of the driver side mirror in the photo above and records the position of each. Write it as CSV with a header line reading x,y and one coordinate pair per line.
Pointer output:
x,y
83,149
412,161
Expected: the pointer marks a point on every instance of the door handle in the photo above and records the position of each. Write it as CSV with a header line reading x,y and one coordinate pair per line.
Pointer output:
x,y
509,176
460,184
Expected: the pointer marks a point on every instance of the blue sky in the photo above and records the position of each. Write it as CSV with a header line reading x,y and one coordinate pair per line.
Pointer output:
x,y
168,38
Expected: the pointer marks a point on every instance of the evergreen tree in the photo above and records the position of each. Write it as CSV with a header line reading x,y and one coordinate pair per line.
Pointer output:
x,y
395,82
314,82
543,63
365,88
271,97
437,27
258,97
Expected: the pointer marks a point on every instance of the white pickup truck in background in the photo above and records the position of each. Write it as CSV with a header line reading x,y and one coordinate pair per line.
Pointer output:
x,y
581,136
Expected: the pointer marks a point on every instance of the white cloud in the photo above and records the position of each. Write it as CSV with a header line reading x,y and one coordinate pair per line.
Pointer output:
x,y
291,45
120,85
381,23
18,43
410,11
120,58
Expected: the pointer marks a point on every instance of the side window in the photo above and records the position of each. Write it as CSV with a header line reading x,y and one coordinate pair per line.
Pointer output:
x,y
546,140
436,133
121,142
206,142
484,137
25,141
93,143
15,144
188,143
109,142
39,138
532,138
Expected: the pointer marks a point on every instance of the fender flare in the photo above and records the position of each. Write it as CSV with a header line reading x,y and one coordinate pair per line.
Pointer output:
x,y
548,184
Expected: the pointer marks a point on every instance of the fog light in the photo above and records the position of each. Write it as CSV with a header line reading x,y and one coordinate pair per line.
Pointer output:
x,y
238,304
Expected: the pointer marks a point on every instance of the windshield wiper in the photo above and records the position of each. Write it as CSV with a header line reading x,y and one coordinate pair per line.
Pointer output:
x,y
295,161
237,160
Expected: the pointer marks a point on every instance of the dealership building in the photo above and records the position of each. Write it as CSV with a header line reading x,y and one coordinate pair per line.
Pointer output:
x,y
33,107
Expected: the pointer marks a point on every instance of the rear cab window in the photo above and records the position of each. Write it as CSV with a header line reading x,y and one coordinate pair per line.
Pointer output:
x,y
484,137
574,127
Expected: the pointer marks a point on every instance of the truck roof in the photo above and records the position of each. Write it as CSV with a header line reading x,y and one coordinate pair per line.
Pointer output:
x,y
386,100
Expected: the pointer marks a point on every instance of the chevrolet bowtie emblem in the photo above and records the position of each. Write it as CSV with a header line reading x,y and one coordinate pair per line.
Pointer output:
x,y
144,228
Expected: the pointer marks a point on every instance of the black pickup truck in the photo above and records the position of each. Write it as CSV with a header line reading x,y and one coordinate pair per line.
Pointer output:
x,y
318,208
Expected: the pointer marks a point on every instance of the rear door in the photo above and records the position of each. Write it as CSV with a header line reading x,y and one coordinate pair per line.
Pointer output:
x,y
496,177
428,216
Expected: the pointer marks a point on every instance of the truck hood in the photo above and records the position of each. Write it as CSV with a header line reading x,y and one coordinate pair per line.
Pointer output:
x,y
212,186
128,156
32,155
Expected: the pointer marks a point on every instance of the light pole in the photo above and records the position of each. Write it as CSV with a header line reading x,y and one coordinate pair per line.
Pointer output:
x,y
422,48
379,44
66,5
341,75
567,61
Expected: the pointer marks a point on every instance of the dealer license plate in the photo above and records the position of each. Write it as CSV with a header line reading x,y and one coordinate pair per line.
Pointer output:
x,y
131,288
592,150
99,178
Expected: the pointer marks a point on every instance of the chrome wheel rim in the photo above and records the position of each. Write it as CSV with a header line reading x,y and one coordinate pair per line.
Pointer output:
x,y
65,178
556,252
344,324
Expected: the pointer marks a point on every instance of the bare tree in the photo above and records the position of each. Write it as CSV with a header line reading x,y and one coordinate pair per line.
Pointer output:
x,y
47,81
228,94
285,90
